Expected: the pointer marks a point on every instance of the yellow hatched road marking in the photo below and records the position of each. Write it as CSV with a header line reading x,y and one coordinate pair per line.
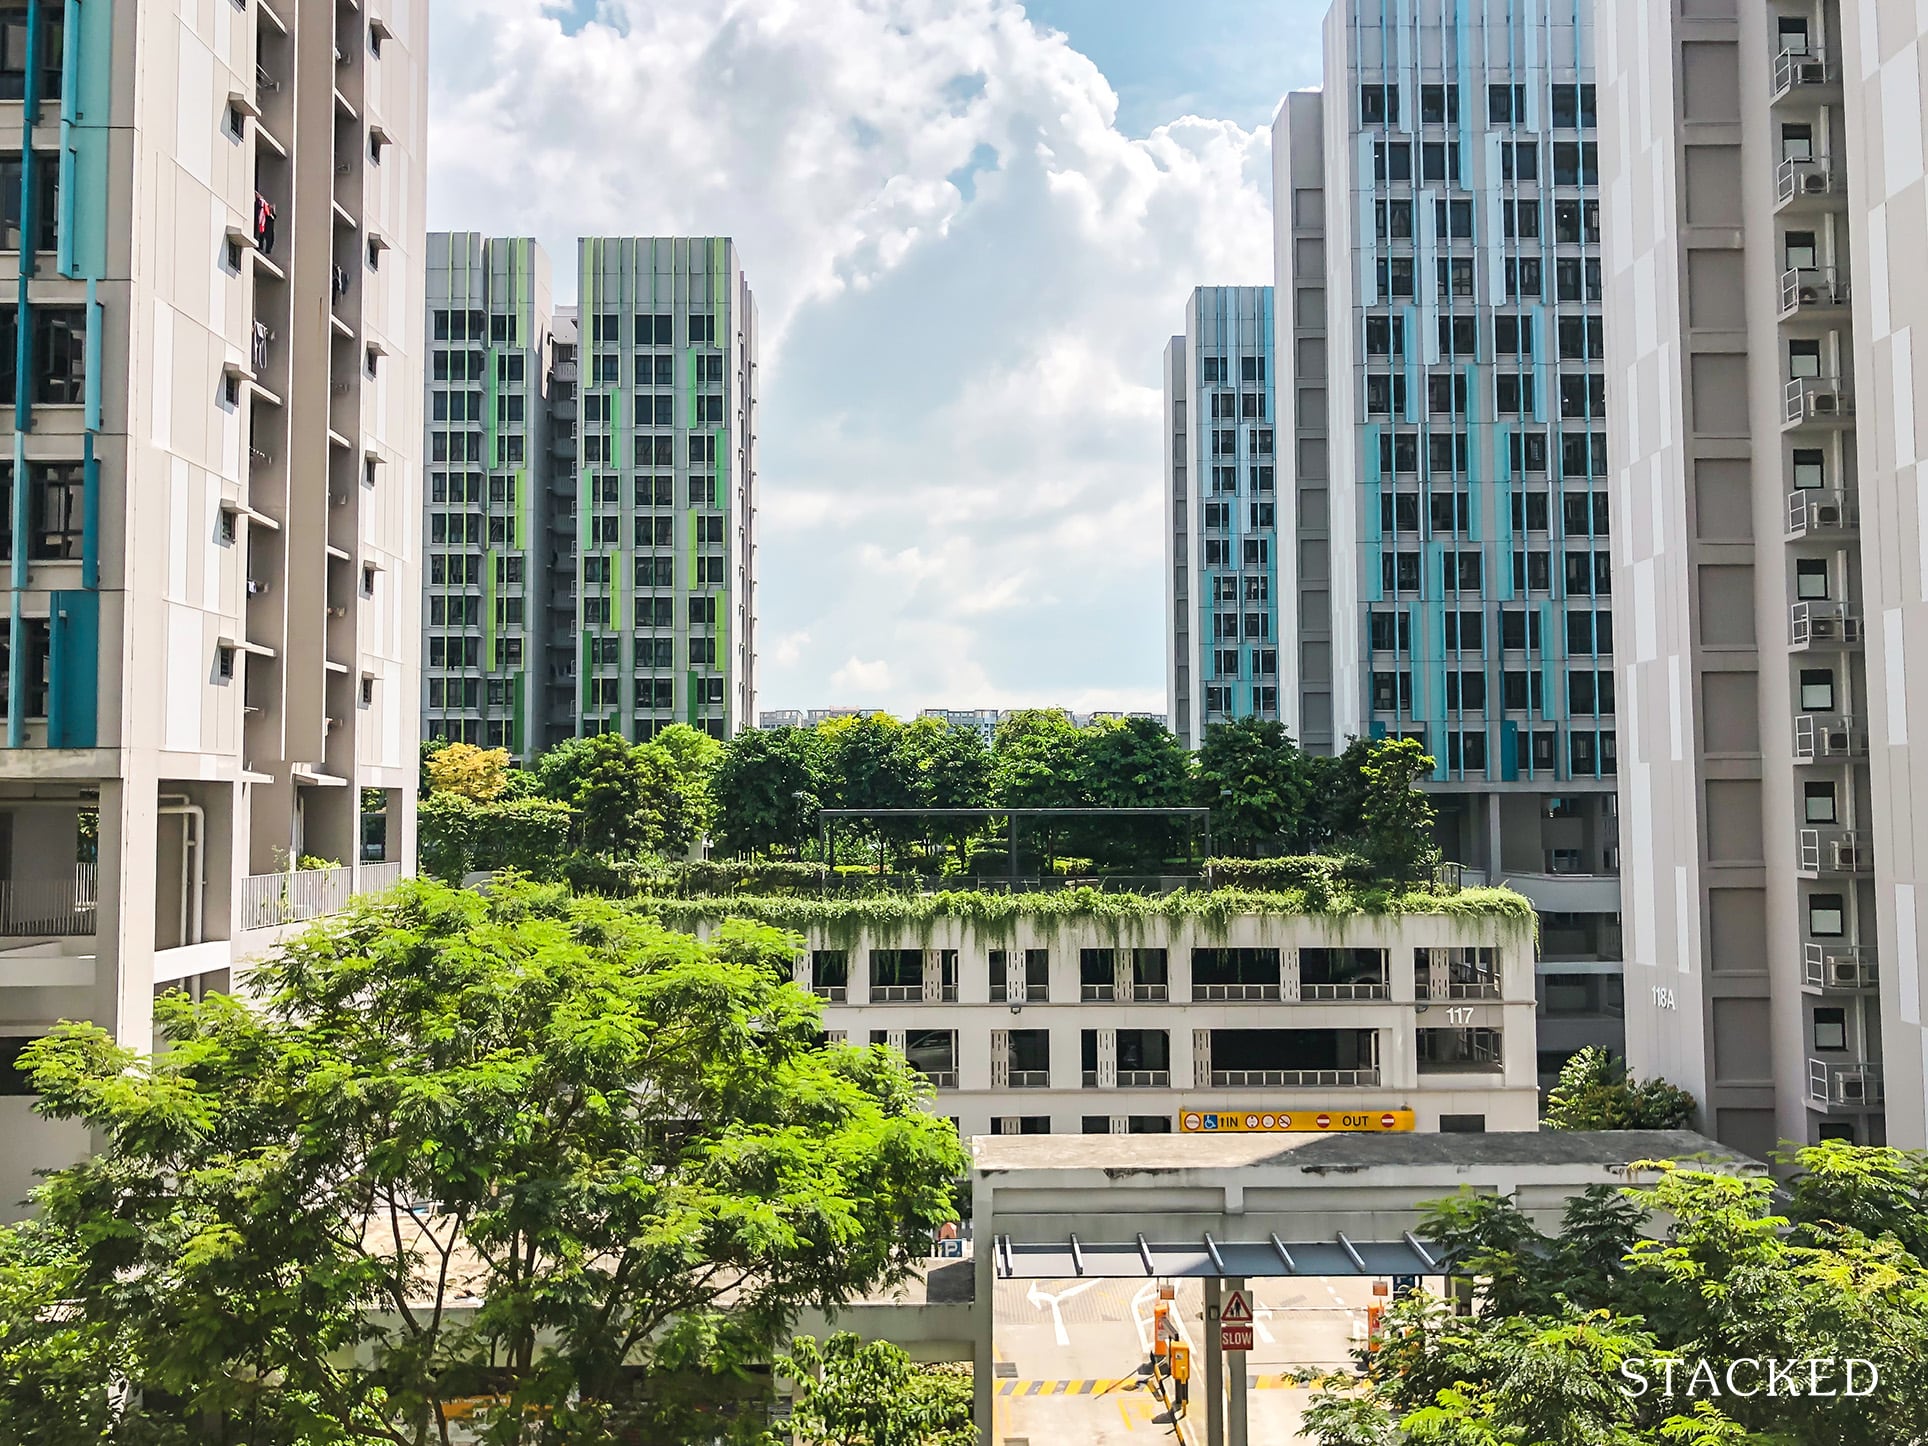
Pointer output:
x,y
1103,1387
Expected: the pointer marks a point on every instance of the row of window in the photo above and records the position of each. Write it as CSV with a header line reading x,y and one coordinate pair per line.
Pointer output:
x,y
1219,369
1578,338
1582,454
1571,105
1264,696
1225,479
56,510
1448,394
607,329
649,451
1230,406
1590,753
1259,663
1574,163
1465,691
1250,552
1587,574
1225,441
1218,515
1448,513
1576,278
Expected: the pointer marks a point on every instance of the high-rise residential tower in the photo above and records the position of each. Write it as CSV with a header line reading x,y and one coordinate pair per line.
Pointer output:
x,y
214,342
591,492
1762,167
1221,538
1445,569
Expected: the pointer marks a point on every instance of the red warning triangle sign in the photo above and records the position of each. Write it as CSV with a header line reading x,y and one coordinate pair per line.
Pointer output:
x,y
1236,1307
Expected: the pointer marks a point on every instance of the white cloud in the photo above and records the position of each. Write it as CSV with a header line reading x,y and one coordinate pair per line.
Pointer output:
x,y
966,275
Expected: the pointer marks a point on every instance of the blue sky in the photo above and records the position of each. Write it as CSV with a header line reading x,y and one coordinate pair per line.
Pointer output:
x,y
971,226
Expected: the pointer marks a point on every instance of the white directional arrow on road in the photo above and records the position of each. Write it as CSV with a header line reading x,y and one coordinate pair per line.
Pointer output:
x,y
1039,1300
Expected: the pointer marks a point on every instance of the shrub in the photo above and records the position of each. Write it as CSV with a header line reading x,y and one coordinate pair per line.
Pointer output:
x,y
459,836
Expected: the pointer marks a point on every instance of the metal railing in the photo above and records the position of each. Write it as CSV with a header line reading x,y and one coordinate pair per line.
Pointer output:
x,y
1097,993
1794,70
1144,1079
943,1079
1029,1079
1838,966
1233,993
51,908
294,897
1816,178
832,993
1854,1084
1821,736
1812,286
1817,399
1813,510
377,878
896,994
1032,993
1835,851
1293,1078
1816,623
1318,993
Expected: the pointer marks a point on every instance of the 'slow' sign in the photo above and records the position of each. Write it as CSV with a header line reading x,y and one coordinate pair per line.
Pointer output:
x,y
1235,1335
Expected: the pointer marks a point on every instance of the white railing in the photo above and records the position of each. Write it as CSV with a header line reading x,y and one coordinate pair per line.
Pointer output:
x,y
1029,1079
1838,966
1794,69
377,878
1816,177
1835,851
896,994
1376,989
943,1079
1821,509
1829,735
1095,993
832,993
1807,286
1853,1084
1233,993
1293,1078
1144,1079
1812,623
55,908
1817,399
295,897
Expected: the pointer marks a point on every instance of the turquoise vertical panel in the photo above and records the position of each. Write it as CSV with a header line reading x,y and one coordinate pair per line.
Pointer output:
x,y
73,694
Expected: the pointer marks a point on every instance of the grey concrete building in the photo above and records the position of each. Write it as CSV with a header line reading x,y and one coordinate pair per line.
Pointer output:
x,y
1443,564
591,493
1764,180
216,223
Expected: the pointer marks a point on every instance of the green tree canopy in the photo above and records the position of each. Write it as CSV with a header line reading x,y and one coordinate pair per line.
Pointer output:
x,y
864,763
1132,763
853,1392
1259,788
631,1147
691,756
626,798
1595,1092
765,789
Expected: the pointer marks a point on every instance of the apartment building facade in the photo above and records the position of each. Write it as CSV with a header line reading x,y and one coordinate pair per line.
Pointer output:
x,y
1442,414
591,544
1068,1027
1763,168
1221,541
214,491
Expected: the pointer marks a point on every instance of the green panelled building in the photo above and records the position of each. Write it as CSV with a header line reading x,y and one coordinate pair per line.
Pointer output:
x,y
590,498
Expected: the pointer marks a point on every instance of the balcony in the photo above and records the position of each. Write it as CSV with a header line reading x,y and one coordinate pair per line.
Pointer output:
x,y
1811,290
1829,851
1837,966
266,901
49,909
1829,737
1824,625
1815,512
1817,402
1252,1079
1849,1085
1805,78
1816,184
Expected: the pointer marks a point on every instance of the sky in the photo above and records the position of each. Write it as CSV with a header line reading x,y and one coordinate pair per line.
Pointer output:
x,y
970,227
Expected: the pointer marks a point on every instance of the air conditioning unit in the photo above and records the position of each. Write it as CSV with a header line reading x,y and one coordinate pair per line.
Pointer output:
x,y
1809,295
1847,857
1827,515
1821,627
1836,742
1823,402
1843,973
1853,1089
1812,72
1815,182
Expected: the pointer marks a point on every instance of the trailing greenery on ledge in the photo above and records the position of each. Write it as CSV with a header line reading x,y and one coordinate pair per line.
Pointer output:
x,y
842,917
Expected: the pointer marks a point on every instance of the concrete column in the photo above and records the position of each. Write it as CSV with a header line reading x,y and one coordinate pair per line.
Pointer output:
x,y
1494,857
1235,1434
1107,1059
1000,1058
1202,1059
1124,977
124,934
983,1267
1214,1382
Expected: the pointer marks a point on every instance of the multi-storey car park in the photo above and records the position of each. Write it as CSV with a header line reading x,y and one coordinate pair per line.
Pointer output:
x,y
213,350
591,492
1120,1014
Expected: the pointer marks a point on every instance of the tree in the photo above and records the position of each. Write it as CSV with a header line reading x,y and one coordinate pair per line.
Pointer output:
x,y
1595,1092
765,791
950,768
1255,781
1395,819
864,764
691,756
1034,765
477,774
457,837
1132,763
857,1393
1697,1267
624,795
632,1146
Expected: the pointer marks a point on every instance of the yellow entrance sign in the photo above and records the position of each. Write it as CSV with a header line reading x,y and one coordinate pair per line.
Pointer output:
x,y
1272,1122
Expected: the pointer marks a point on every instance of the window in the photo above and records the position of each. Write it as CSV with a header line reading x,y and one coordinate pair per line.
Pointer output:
x,y
1811,579
1446,453
1458,335
1520,219
1455,276
1399,452
1453,220
1817,690
1810,467
1576,163
1396,276
1574,107
13,51
60,356
1466,691
1439,161
1446,394
1398,512
1797,141
1438,104
1513,335
1818,802
1583,396
1466,752
1386,394
1519,160
1400,571
1798,251
1523,277
1576,223
1521,691
1505,103
1389,631
1463,570
1830,1028
1582,338
702,331
1513,393
58,507
1392,692
1527,451
1392,161
1465,632
1393,220
1379,104
46,202
1577,279
1827,915
1386,336
1532,571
